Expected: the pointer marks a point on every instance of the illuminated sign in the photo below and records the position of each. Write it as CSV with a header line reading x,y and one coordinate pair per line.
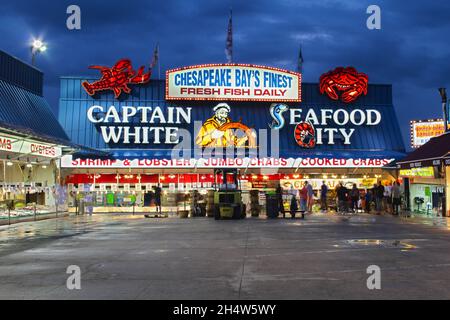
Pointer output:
x,y
68,162
117,79
239,82
423,130
331,183
323,127
221,127
345,84
23,146
154,124
418,172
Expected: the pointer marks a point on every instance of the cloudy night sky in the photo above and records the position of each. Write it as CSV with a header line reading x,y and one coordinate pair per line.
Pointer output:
x,y
411,51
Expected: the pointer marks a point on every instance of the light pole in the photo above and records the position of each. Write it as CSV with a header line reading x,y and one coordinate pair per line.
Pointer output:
x,y
443,93
36,47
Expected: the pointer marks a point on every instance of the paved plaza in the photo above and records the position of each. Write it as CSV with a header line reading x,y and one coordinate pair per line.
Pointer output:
x,y
130,257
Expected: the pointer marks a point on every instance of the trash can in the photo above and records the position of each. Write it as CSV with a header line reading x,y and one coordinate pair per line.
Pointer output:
x,y
81,207
272,205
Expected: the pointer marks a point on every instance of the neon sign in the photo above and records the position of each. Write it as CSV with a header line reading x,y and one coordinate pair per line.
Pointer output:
x,y
347,82
117,78
233,82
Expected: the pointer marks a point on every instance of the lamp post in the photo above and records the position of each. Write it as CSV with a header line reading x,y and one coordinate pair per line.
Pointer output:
x,y
443,93
36,47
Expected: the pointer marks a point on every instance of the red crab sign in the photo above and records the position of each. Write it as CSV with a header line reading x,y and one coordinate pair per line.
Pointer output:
x,y
347,82
117,78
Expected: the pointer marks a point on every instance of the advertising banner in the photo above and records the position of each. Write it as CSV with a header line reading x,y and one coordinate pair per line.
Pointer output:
x,y
239,82
423,130
31,147
68,162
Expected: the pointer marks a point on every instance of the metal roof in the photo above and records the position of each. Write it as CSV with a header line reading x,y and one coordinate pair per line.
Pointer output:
x,y
29,112
20,74
436,148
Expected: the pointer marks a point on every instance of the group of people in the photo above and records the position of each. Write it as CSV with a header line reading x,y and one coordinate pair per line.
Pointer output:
x,y
386,198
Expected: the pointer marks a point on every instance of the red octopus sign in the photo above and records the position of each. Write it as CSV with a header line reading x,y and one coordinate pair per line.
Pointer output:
x,y
117,78
347,81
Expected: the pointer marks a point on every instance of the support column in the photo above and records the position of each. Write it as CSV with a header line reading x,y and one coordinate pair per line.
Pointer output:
x,y
447,191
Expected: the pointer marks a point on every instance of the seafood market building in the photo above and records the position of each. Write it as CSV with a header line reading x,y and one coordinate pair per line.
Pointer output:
x,y
263,121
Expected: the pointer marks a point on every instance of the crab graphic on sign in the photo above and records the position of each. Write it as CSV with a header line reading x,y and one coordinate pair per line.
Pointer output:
x,y
347,82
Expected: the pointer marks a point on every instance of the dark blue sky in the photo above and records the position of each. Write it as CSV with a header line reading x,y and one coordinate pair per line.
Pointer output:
x,y
411,51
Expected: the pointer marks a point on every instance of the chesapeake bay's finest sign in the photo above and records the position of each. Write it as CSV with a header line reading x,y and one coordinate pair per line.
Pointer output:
x,y
237,82
19,145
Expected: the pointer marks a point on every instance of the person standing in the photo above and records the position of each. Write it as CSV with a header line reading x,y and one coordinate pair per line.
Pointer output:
x,y
310,190
342,195
396,198
323,197
293,206
368,198
354,194
379,194
387,198
336,192
158,192
279,193
304,198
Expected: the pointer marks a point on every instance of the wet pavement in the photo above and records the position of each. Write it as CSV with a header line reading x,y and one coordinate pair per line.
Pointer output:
x,y
322,257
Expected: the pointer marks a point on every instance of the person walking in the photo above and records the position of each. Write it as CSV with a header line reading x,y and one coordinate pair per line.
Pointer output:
x,y
310,200
323,197
354,194
304,198
396,198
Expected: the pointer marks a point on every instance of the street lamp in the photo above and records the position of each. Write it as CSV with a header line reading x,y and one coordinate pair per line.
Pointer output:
x,y
443,93
36,47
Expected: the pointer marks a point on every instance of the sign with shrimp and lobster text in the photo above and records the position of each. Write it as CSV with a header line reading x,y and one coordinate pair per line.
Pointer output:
x,y
238,82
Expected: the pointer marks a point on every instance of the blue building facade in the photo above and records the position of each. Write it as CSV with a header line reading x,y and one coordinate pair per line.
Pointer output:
x,y
380,141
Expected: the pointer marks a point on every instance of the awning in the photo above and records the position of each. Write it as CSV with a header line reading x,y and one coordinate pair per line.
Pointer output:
x,y
67,146
431,153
